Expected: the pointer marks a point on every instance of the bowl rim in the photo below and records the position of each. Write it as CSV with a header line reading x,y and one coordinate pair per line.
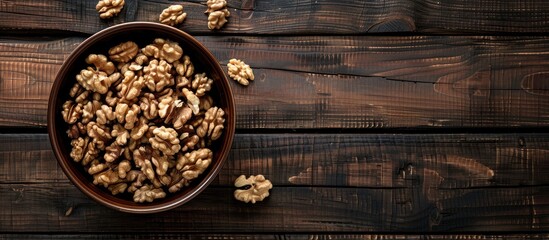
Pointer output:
x,y
62,73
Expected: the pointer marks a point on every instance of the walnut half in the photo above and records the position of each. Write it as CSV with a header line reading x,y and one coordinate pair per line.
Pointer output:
x,y
172,15
253,189
240,71
109,8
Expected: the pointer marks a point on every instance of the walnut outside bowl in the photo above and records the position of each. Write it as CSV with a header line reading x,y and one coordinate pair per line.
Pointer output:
x,y
142,33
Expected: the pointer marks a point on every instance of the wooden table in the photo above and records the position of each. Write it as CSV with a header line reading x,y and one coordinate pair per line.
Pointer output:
x,y
397,119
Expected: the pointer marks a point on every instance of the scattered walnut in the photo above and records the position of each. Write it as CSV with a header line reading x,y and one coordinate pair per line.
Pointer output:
x,y
123,52
214,5
133,126
194,163
240,71
172,15
254,188
218,18
109,8
212,125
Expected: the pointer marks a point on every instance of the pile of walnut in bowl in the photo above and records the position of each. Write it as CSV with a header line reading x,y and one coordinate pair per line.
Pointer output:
x,y
142,123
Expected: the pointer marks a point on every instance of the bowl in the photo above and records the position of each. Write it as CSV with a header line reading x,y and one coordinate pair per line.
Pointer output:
x,y
142,33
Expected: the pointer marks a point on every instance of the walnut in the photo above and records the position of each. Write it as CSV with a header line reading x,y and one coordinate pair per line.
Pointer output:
x,y
91,153
121,134
98,79
206,102
149,105
212,125
76,90
136,178
255,188
113,152
89,110
172,15
194,163
201,84
123,168
174,111
104,115
160,162
164,50
73,131
97,167
109,8
123,52
214,5
99,134
185,68
71,111
165,140
106,178
82,97
118,188
240,71
218,18
111,100
176,181
140,129
188,139
142,158
79,146
157,75
127,114
130,87
192,100
148,194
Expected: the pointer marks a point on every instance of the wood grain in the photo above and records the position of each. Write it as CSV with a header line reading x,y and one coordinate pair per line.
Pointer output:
x,y
293,16
337,82
60,207
280,236
429,162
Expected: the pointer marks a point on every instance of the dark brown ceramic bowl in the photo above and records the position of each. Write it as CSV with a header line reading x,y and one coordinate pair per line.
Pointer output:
x,y
142,33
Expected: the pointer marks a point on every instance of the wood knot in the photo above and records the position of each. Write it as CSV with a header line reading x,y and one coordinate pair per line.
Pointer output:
x,y
536,83
477,84
394,24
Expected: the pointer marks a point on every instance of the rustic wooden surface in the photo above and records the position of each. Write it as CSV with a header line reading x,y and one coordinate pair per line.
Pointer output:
x,y
398,119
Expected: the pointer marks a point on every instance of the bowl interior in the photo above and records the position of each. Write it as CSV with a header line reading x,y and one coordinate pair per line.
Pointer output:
x,y
142,33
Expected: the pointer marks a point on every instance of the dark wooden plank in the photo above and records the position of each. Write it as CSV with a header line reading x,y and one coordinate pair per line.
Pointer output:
x,y
213,236
294,16
427,161
337,82
60,207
